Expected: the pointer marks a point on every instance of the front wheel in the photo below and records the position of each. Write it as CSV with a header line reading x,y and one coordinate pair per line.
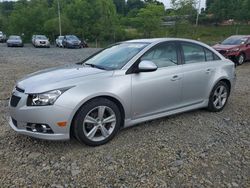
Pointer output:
x,y
218,97
97,122
241,59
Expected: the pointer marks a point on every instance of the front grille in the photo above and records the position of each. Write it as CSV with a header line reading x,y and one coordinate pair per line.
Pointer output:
x,y
42,42
19,89
14,100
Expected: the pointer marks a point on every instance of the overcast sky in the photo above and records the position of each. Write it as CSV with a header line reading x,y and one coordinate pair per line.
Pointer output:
x,y
166,2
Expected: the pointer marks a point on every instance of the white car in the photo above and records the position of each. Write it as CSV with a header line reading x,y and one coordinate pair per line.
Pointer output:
x,y
59,40
40,41
2,37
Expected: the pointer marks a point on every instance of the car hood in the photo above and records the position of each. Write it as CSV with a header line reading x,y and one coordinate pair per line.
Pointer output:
x,y
224,47
59,77
42,40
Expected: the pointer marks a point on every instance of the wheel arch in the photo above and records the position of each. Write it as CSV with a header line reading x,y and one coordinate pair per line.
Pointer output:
x,y
225,80
111,98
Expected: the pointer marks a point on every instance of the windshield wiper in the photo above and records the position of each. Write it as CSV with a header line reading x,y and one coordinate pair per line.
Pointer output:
x,y
95,66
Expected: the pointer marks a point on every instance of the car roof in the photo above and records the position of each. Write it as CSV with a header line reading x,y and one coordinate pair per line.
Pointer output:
x,y
240,36
14,36
157,40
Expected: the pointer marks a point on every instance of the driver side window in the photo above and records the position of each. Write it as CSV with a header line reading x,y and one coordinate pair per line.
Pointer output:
x,y
163,55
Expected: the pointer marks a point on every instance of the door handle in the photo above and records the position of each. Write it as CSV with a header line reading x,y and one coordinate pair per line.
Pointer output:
x,y
175,77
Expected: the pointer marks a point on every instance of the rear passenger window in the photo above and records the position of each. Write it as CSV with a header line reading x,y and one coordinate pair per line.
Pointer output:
x,y
193,53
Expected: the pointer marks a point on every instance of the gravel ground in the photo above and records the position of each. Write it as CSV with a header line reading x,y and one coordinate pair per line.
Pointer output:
x,y
193,149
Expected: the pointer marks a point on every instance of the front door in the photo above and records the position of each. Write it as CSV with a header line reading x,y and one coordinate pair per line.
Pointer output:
x,y
158,91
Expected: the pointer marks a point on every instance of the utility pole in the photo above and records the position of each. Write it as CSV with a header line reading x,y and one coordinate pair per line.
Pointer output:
x,y
59,17
198,14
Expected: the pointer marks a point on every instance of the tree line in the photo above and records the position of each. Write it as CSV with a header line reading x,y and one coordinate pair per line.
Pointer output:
x,y
113,20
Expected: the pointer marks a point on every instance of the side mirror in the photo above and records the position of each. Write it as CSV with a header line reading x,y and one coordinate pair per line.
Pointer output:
x,y
147,66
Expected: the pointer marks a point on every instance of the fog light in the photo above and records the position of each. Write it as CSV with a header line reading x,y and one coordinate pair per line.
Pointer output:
x,y
39,128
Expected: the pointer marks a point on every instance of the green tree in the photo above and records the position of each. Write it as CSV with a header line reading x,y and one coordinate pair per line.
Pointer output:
x,y
120,6
134,4
149,19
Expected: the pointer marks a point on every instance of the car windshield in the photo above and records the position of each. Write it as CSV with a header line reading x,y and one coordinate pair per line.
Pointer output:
x,y
14,38
41,37
72,37
235,40
60,38
116,56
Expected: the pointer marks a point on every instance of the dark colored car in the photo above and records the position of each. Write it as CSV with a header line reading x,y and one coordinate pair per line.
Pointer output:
x,y
14,41
71,41
236,48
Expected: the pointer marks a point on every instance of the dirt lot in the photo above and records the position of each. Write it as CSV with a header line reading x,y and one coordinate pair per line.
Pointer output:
x,y
194,149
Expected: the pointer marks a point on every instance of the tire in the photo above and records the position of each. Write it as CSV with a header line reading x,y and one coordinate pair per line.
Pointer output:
x,y
90,118
218,97
241,59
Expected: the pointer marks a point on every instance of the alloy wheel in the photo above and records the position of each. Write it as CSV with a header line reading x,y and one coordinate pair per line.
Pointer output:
x,y
241,59
99,123
220,97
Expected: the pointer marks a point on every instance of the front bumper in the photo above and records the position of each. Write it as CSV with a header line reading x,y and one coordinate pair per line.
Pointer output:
x,y
15,44
22,115
229,54
71,45
56,136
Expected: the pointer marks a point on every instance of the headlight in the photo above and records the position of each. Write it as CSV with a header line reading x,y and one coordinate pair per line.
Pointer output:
x,y
234,50
44,99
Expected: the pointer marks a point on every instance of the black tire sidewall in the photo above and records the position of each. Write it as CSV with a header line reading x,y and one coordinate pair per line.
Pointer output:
x,y
211,106
84,110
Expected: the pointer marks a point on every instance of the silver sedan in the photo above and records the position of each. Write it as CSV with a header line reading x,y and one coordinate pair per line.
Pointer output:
x,y
123,85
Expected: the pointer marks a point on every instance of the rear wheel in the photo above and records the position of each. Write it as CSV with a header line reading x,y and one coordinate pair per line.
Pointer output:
x,y
218,97
97,122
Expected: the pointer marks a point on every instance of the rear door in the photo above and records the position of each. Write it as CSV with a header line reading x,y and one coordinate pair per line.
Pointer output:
x,y
197,73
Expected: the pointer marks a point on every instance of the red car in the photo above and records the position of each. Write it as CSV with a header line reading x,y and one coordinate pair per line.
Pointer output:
x,y
236,48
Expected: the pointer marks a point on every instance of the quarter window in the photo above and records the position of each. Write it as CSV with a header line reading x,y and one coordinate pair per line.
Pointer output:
x,y
193,53
209,55
164,55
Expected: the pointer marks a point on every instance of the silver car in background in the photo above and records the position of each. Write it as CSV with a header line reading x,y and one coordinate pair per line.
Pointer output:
x,y
40,41
14,41
123,85
59,40
2,37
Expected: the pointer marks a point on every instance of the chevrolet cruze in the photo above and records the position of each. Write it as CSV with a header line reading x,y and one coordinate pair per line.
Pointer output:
x,y
123,85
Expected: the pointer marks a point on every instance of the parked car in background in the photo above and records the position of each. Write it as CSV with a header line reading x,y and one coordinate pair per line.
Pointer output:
x,y
159,77
14,41
40,41
71,41
236,48
2,37
59,40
